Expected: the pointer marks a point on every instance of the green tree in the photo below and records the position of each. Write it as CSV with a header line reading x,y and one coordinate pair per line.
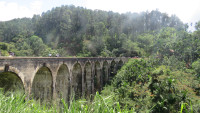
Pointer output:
x,y
37,45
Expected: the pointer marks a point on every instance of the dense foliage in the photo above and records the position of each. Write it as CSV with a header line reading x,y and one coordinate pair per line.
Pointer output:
x,y
148,87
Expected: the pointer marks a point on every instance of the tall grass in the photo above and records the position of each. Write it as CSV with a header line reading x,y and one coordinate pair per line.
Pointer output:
x,y
187,108
100,104
16,103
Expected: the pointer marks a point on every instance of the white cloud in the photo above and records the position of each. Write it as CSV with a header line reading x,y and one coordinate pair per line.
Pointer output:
x,y
184,9
10,10
187,10
36,7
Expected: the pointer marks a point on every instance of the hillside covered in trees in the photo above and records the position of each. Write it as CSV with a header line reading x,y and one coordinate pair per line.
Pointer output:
x,y
76,31
70,31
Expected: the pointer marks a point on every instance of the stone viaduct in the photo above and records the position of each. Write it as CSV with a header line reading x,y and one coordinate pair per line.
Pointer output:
x,y
47,78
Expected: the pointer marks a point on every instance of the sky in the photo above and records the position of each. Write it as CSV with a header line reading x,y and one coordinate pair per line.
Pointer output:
x,y
187,10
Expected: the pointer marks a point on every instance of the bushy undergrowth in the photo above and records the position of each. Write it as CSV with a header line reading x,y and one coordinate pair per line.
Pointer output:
x,y
147,87
196,67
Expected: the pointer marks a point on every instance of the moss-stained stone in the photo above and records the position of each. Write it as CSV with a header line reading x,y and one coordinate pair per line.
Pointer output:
x,y
62,83
105,73
42,85
97,77
77,80
88,79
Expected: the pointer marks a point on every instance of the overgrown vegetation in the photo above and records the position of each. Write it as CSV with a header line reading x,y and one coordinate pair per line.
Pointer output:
x,y
147,86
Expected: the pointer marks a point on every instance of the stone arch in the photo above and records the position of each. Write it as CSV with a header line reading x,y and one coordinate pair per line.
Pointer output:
x,y
88,78
105,73
13,77
42,85
77,80
8,68
62,85
97,77
10,81
119,65
112,69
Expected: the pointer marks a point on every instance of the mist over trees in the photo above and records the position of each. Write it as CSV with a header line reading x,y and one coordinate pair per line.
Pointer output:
x,y
76,31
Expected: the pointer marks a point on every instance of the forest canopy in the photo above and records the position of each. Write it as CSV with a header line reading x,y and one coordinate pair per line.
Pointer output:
x,y
77,31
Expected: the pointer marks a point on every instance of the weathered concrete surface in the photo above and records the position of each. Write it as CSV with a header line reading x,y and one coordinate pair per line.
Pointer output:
x,y
52,77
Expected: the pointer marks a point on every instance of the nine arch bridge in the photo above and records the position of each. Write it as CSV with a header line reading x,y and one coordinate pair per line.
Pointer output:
x,y
47,78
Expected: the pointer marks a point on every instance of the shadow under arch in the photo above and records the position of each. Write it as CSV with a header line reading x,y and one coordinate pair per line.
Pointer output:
x,y
88,79
105,73
77,80
119,65
112,69
10,81
62,85
42,85
97,77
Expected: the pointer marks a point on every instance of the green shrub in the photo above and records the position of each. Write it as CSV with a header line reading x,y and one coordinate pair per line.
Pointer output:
x,y
131,85
196,66
173,63
4,53
141,85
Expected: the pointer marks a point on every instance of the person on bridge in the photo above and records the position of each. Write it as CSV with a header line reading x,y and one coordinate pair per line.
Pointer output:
x,y
11,54
49,54
57,55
